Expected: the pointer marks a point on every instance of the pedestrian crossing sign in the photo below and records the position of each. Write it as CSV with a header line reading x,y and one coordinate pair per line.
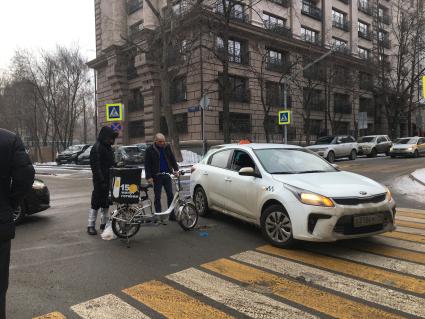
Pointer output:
x,y
284,117
114,112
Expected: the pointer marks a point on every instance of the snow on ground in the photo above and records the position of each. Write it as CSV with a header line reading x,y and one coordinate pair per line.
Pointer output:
x,y
410,188
419,174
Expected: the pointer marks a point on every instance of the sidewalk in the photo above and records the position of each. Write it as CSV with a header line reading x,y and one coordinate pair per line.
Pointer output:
x,y
419,176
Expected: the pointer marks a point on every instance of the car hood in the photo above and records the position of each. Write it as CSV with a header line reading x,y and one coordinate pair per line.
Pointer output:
x,y
333,184
367,144
403,146
314,147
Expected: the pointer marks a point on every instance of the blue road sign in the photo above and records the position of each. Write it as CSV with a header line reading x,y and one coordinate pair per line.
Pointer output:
x,y
116,126
114,112
193,108
284,117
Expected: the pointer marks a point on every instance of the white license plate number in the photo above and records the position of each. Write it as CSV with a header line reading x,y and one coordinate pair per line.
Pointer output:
x,y
367,220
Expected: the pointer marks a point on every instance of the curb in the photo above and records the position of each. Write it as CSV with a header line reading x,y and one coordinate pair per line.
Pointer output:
x,y
416,179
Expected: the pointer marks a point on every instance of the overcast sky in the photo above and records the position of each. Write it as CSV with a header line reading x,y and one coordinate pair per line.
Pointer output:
x,y
41,24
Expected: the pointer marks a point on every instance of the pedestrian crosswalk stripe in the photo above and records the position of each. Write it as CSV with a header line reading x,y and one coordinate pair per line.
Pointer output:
x,y
371,259
410,214
388,251
405,236
248,302
410,230
397,243
370,273
300,293
52,315
410,219
352,287
107,307
410,224
411,210
171,302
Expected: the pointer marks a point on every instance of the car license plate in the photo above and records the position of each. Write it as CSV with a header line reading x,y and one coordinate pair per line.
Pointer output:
x,y
367,220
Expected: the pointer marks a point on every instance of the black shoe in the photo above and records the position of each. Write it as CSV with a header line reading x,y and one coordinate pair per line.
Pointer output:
x,y
91,231
102,227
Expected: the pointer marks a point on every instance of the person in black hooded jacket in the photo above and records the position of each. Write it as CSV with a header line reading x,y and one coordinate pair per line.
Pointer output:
x,y
16,179
101,160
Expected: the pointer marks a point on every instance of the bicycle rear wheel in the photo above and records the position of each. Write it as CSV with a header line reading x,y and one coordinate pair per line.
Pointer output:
x,y
187,216
121,225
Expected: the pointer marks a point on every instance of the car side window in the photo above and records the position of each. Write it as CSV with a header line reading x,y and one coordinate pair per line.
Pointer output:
x,y
345,139
421,141
241,159
220,159
381,140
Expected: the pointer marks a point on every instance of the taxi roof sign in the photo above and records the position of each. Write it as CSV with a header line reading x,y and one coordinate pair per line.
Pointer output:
x,y
114,112
284,117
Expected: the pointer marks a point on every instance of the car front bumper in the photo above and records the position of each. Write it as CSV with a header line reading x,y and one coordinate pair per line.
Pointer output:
x,y
337,222
364,151
402,153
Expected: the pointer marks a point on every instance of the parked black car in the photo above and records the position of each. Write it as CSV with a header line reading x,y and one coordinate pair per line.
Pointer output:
x,y
70,155
84,157
130,155
36,201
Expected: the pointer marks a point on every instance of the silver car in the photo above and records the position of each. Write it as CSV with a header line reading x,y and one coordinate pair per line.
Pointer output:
x,y
373,145
408,146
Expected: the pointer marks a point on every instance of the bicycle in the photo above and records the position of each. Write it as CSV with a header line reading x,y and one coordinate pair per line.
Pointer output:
x,y
128,218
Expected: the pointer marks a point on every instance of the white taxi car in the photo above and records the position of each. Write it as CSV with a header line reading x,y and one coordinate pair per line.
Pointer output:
x,y
291,193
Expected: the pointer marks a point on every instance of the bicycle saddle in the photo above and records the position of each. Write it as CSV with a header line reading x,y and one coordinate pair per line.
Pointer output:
x,y
145,187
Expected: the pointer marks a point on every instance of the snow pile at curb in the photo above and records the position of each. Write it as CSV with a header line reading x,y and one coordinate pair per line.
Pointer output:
x,y
419,175
410,188
189,158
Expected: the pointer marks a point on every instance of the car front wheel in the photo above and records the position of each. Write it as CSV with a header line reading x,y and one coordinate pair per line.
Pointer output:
x,y
201,202
276,226
331,157
353,155
18,214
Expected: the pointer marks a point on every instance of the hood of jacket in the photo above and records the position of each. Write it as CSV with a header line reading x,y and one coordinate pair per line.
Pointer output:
x,y
106,134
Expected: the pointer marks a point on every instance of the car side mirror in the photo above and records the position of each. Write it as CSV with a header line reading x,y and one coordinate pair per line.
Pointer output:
x,y
247,171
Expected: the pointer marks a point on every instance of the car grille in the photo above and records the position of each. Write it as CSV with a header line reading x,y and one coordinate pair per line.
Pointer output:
x,y
345,225
360,200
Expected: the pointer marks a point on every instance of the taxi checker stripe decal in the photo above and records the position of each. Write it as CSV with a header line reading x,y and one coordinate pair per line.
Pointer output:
x,y
52,315
172,303
371,259
397,243
388,251
410,224
107,307
300,293
369,273
392,299
252,304
405,236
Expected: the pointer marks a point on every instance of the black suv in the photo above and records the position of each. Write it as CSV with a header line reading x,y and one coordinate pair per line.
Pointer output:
x,y
70,155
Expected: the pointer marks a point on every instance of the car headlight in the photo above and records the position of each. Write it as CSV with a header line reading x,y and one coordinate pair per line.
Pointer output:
x,y
321,149
38,185
410,149
310,198
391,149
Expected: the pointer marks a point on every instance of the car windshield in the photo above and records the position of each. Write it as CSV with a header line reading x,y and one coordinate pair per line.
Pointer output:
x,y
406,141
292,161
366,139
325,140
87,151
142,147
131,151
74,148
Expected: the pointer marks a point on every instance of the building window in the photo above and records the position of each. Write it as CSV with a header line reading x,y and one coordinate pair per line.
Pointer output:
x,y
383,39
365,7
178,90
365,81
134,28
341,128
341,46
339,20
308,8
237,10
313,99
276,24
364,53
136,101
134,5
238,52
239,88
366,105
363,30
275,95
283,3
383,15
342,103
309,35
276,61
131,67
136,129
239,122
314,126
180,124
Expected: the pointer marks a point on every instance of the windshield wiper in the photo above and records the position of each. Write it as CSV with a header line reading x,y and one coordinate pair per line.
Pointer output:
x,y
312,171
284,173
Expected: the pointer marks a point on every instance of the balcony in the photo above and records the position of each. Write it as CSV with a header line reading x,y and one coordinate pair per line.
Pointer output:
x,y
283,3
343,50
365,8
241,58
278,29
311,11
235,15
386,43
343,25
342,108
316,40
365,35
385,19
276,65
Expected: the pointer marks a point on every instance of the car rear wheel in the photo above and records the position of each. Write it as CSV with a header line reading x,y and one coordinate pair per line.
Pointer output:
x,y
331,157
353,155
201,202
19,213
373,153
276,226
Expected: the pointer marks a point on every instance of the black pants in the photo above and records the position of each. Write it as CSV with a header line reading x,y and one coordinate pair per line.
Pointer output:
x,y
160,181
4,275
100,196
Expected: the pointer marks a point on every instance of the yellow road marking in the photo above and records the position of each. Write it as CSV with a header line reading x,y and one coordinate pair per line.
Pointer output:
x,y
405,236
411,210
410,224
361,271
171,302
52,315
409,214
389,251
313,298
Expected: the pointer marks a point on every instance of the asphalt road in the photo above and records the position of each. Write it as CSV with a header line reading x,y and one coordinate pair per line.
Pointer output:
x,y
58,269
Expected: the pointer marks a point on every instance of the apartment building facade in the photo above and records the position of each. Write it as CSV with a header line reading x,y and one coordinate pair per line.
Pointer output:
x,y
269,41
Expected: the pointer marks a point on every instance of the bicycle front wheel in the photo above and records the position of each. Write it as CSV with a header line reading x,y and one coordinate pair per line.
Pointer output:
x,y
121,225
187,216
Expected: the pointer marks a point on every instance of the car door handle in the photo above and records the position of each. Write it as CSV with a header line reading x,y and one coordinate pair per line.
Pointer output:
x,y
228,179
